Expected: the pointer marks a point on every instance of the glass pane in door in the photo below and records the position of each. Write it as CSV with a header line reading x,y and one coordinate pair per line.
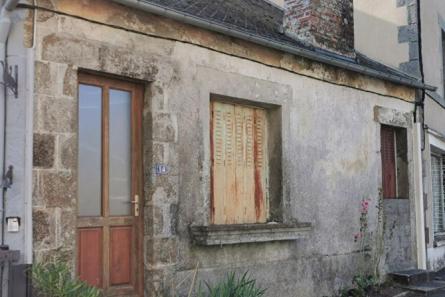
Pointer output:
x,y
90,134
120,153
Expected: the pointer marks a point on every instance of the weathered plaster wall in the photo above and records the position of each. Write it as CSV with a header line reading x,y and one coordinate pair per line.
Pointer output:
x,y
377,25
398,239
330,148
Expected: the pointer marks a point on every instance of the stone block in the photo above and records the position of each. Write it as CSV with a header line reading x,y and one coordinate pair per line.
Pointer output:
x,y
58,188
66,256
68,151
36,189
392,117
47,4
57,115
45,77
414,51
401,3
165,189
43,150
161,251
411,67
159,153
412,14
408,34
43,17
70,81
44,226
67,229
112,59
158,101
164,127
153,221
66,49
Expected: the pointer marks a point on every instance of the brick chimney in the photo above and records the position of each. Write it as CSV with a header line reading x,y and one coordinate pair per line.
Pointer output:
x,y
328,24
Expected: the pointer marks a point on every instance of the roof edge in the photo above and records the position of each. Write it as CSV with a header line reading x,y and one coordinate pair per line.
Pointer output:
x,y
316,56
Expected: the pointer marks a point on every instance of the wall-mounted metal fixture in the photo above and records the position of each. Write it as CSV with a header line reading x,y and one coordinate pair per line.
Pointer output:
x,y
13,224
10,77
8,178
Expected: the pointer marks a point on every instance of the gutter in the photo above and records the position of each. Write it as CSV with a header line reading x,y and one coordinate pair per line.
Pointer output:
x,y
216,27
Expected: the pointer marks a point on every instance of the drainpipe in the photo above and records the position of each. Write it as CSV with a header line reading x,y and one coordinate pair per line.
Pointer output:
x,y
418,196
5,26
419,148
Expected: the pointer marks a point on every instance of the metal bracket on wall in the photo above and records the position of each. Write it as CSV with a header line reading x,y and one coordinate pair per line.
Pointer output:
x,y
8,178
10,77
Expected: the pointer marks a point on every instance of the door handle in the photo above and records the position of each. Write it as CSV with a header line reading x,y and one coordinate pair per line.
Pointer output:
x,y
135,202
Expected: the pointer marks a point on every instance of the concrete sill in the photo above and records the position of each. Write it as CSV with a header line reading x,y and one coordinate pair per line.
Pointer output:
x,y
439,239
248,233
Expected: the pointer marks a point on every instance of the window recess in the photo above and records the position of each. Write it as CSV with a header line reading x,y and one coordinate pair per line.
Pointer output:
x,y
246,177
394,158
437,179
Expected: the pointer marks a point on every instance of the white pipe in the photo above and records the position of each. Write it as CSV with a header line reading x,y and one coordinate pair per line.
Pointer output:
x,y
418,197
27,224
29,148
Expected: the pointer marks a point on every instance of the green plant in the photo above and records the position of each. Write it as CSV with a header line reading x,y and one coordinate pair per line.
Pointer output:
x,y
379,237
371,249
55,280
232,286
362,285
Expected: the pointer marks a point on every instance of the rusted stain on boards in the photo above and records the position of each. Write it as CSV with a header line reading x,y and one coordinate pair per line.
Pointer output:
x,y
258,151
239,164
212,186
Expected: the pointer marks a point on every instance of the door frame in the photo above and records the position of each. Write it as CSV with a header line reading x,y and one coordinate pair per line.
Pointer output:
x,y
137,99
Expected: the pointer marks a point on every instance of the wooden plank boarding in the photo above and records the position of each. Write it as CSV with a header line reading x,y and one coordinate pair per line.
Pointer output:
x,y
239,164
388,162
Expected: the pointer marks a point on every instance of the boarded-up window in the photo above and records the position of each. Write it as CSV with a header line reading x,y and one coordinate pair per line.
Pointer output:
x,y
239,164
443,62
394,162
437,178
388,162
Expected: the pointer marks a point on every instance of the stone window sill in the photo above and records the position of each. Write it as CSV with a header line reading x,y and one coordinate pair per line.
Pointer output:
x,y
439,240
248,233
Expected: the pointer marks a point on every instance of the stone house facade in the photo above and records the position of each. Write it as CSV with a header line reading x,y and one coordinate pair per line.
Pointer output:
x,y
401,21
311,112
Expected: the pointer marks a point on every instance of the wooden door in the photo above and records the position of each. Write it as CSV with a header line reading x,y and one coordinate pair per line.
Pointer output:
x,y
109,229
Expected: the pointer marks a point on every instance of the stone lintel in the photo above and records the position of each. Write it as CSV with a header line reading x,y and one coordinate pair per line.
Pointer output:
x,y
248,233
392,117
